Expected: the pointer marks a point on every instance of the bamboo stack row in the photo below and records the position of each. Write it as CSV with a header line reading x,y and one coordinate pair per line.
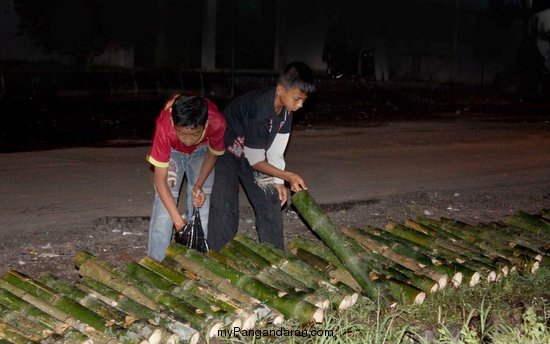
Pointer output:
x,y
402,263
247,284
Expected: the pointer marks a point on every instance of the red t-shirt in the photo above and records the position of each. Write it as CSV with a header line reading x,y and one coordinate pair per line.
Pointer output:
x,y
166,137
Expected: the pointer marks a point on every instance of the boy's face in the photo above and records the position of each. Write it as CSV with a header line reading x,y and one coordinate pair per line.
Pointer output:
x,y
293,98
189,136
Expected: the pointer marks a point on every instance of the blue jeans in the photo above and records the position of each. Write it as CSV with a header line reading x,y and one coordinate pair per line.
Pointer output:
x,y
161,225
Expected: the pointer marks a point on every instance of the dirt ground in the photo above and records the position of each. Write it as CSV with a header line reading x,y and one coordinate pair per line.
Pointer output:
x,y
472,170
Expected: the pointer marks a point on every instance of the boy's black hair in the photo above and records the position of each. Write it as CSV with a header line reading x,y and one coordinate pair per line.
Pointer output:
x,y
298,75
189,111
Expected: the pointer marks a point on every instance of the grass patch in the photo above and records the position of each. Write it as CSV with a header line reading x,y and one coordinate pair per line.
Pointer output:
x,y
515,309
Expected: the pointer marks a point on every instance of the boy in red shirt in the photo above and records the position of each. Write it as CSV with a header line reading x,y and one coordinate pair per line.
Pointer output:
x,y
189,136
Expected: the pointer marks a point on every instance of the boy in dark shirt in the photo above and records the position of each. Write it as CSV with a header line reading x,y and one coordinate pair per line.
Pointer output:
x,y
258,129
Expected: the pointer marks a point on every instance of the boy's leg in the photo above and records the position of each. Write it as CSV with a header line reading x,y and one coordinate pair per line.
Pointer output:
x,y
194,165
160,226
223,220
265,199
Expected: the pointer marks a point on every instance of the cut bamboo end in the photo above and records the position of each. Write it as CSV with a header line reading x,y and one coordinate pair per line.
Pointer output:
x,y
505,270
212,328
156,337
535,266
442,281
238,322
538,257
492,276
248,320
194,339
476,277
419,299
456,280
434,288
318,316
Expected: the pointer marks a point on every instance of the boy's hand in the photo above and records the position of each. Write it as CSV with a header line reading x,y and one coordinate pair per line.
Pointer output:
x,y
179,223
198,196
283,193
296,182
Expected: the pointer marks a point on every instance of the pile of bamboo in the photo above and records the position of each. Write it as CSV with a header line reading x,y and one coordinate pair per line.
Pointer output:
x,y
402,263
249,285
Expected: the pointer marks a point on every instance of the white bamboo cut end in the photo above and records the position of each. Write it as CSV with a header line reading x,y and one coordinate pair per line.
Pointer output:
x,y
475,279
212,330
318,316
434,288
492,276
456,281
194,339
442,282
419,299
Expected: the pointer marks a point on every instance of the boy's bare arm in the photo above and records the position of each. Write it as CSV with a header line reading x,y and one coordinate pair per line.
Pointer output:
x,y
161,175
206,168
296,182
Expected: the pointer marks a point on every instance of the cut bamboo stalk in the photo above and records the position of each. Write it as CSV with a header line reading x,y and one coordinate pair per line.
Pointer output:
x,y
336,241
341,298
88,300
264,313
27,310
147,293
337,276
59,314
530,223
145,275
137,310
181,283
444,249
412,264
16,336
458,272
28,328
289,305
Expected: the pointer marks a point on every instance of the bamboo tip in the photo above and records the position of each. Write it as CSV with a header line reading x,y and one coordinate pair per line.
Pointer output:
x,y
194,339
475,279
318,316
419,299
457,279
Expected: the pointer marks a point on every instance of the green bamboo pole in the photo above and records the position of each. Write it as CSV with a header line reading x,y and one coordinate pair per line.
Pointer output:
x,y
59,314
16,336
311,252
457,272
494,245
89,266
341,298
18,305
145,294
374,245
488,256
336,241
237,255
137,310
444,249
532,223
265,314
28,328
109,313
145,275
289,305
68,306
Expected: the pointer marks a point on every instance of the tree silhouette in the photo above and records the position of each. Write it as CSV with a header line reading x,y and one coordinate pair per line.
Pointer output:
x,y
83,29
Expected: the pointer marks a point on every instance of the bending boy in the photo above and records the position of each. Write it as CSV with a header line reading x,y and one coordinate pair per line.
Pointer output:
x,y
189,136
258,129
